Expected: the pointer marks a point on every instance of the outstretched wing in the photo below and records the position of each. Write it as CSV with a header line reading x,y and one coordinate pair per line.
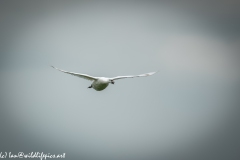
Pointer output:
x,y
141,75
85,76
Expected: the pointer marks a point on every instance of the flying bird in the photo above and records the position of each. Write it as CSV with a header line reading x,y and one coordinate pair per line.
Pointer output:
x,y
100,83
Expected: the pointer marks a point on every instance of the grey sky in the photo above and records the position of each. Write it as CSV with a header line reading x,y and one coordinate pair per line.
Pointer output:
x,y
188,110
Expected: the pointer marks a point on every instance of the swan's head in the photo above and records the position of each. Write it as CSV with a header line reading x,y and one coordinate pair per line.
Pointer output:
x,y
111,81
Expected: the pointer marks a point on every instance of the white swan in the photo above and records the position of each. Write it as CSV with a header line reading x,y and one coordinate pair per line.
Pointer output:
x,y
100,83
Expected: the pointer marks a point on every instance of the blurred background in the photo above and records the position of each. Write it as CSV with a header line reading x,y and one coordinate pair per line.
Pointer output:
x,y
189,110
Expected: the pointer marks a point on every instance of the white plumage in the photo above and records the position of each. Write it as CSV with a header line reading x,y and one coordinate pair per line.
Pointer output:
x,y
100,83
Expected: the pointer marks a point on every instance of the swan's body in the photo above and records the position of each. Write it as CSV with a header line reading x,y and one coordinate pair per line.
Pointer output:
x,y
100,83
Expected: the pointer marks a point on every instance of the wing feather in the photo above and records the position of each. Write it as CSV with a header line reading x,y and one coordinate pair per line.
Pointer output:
x,y
141,75
85,76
